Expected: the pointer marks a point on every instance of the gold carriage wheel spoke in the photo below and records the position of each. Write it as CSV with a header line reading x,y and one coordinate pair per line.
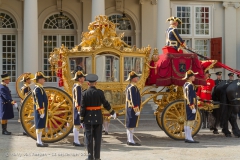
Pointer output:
x,y
60,119
177,111
57,125
28,119
31,128
50,126
182,113
170,119
55,108
60,112
181,130
171,125
172,114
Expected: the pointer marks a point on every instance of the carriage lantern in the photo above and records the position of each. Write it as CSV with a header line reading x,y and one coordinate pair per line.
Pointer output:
x,y
61,19
124,21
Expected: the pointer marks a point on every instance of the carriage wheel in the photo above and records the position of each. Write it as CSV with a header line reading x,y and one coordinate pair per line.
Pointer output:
x,y
158,119
173,118
60,115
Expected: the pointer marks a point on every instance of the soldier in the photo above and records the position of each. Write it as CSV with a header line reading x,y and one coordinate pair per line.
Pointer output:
x,y
219,78
40,107
77,97
205,93
231,77
25,90
6,103
91,116
133,103
190,105
173,38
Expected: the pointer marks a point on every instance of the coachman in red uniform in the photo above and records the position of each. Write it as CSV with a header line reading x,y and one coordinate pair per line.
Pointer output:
x,y
205,93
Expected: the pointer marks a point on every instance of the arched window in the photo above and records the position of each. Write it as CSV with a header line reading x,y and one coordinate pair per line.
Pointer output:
x,y
8,21
55,38
51,23
116,18
129,34
8,46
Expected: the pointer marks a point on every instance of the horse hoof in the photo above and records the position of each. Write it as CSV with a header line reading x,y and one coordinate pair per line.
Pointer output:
x,y
215,132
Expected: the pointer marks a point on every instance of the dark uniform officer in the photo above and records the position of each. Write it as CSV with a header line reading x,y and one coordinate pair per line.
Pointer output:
x,y
190,105
231,77
219,78
172,36
91,116
77,100
40,107
25,90
133,103
6,103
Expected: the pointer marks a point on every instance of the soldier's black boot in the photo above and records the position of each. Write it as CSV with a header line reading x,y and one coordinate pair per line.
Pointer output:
x,y
4,130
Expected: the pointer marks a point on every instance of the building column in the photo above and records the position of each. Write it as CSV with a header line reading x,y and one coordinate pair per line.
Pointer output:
x,y
98,8
148,22
230,34
30,39
163,13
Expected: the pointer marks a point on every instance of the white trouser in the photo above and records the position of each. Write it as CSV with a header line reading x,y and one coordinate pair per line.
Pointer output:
x,y
76,134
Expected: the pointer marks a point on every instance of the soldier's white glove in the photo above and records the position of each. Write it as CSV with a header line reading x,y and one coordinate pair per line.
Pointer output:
x,y
186,47
78,113
42,116
193,111
114,116
15,105
137,114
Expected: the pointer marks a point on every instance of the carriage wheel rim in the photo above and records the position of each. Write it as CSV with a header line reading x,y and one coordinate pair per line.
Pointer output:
x,y
173,120
60,116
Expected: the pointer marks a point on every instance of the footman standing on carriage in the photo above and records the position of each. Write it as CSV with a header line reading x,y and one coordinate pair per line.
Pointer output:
x,y
6,103
91,116
173,38
133,103
219,78
190,105
77,100
40,107
25,90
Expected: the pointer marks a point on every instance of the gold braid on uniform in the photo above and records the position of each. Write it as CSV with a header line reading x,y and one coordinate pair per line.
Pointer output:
x,y
177,38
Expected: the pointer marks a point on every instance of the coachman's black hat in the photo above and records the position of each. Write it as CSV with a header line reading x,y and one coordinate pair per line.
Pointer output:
x,y
132,75
79,74
91,78
39,75
230,74
189,73
5,76
218,73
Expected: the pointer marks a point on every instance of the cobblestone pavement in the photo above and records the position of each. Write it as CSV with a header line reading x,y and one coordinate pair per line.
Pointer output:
x,y
155,145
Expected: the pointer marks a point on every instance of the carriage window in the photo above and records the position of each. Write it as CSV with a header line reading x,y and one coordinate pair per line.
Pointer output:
x,y
132,64
81,63
107,68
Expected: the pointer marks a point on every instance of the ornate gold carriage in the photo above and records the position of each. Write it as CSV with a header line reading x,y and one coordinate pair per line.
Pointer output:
x,y
104,53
